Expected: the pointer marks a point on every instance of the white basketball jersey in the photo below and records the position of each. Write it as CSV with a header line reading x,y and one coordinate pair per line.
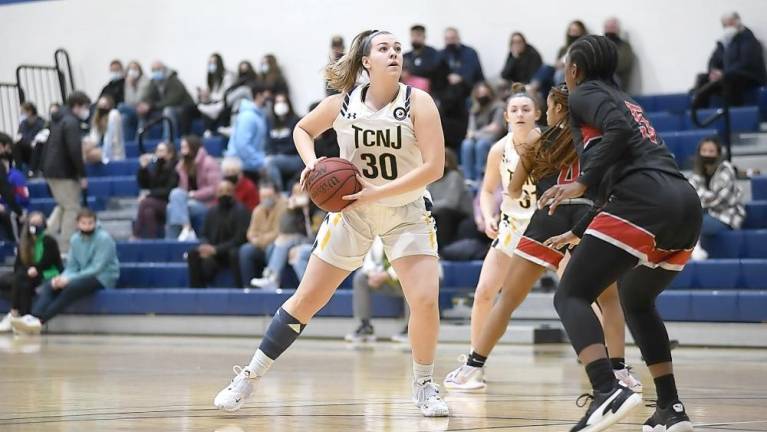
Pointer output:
x,y
524,207
382,144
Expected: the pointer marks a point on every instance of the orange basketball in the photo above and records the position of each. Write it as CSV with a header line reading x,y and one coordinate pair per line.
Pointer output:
x,y
332,179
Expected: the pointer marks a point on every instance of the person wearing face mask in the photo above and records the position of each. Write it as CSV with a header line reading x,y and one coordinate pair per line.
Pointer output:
x,y
282,159
250,132
211,98
423,60
270,75
485,127
612,31
63,166
737,63
245,191
14,195
220,239
157,178
714,179
105,142
92,265
523,60
136,88
115,88
262,232
168,96
30,124
38,260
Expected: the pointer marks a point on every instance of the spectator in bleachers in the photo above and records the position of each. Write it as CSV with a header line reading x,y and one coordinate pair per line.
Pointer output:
x,y
38,260
245,191
737,62
92,265
375,276
211,97
157,178
242,87
327,143
471,241
485,128
17,192
282,159
263,230
136,89
250,133
612,30
523,60
198,177
30,125
105,142
168,96
337,50
451,200
270,75
462,60
715,181
295,228
424,61
221,238
548,76
63,166
115,88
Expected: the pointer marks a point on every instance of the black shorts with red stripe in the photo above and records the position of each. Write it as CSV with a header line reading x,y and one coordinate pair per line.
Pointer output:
x,y
544,226
652,215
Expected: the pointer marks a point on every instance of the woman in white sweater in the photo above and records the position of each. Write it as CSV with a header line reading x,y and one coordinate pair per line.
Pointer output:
x,y
105,142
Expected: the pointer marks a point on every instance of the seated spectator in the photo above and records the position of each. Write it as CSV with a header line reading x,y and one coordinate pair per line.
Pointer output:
x,y
337,50
451,201
211,98
115,88
485,128
245,192
250,132
471,241
241,88
24,154
38,260
157,176
423,61
270,75
294,229
91,265
722,199
168,97
16,196
263,230
549,76
282,159
737,64
375,276
221,237
523,60
105,143
136,90
625,67
327,143
198,178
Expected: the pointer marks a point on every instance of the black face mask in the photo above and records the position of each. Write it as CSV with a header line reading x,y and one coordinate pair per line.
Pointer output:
x,y
88,233
571,39
36,230
484,100
417,45
613,37
188,157
6,156
709,160
233,179
226,201
452,47
103,111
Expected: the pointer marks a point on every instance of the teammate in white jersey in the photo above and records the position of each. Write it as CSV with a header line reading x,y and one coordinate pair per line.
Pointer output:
x,y
393,134
522,111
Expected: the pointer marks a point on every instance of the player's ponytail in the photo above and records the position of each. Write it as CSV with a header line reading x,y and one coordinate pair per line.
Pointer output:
x,y
554,149
342,74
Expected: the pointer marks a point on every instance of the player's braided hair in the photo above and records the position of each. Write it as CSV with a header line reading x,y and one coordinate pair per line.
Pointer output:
x,y
341,75
596,57
554,149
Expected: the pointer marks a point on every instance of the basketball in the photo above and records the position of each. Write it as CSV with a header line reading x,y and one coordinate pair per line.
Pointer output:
x,y
330,181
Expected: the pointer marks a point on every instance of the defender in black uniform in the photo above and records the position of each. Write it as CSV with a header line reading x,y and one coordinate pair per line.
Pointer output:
x,y
641,233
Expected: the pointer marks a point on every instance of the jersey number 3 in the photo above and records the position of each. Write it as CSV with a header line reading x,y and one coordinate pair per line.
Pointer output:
x,y
384,166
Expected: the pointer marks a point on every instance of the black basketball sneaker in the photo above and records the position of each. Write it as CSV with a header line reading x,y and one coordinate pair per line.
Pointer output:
x,y
673,418
606,408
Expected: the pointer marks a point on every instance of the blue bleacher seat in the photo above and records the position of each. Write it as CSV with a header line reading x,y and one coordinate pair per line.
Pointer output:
x,y
742,119
665,122
684,279
756,215
752,306
763,102
148,251
99,187
461,274
717,274
726,244
683,144
674,305
46,205
215,146
753,274
674,103
759,187
127,167
714,306
755,244
647,102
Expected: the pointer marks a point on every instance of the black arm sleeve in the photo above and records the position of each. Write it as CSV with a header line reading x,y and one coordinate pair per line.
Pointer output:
x,y
593,106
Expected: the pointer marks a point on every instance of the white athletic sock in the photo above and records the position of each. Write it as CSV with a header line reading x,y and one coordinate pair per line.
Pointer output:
x,y
422,372
260,363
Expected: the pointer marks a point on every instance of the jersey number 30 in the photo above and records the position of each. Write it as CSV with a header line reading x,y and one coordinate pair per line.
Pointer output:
x,y
385,166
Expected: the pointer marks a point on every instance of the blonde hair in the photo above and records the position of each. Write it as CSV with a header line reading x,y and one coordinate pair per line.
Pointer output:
x,y
342,74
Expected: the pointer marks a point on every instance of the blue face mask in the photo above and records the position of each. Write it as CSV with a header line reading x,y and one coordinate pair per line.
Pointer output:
x,y
158,75
212,68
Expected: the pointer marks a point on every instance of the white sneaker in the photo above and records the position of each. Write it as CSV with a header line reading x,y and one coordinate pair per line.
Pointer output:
x,y
699,254
626,378
187,235
27,324
5,324
268,281
237,393
466,378
401,337
426,398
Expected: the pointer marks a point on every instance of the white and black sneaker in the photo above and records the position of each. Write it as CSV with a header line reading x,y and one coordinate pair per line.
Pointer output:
x,y
234,396
427,399
606,408
673,418
363,333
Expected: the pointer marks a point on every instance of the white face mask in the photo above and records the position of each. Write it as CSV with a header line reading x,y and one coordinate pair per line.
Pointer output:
x,y
212,68
264,67
133,73
114,76
83,113
727,34
281,108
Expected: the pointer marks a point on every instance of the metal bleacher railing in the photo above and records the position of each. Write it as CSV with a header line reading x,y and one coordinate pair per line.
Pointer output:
x,y
721,113
144,130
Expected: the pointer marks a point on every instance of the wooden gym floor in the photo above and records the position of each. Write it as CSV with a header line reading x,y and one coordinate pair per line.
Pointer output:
x,y
131,383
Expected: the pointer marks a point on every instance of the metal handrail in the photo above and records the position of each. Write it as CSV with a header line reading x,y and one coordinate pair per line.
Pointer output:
x,y
723,112
68,77
143,130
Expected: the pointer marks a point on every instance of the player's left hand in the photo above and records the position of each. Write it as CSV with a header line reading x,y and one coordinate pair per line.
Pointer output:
x,y
558,242
557,194
368,194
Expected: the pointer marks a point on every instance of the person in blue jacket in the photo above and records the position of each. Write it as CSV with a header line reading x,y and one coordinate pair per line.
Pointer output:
x,y
250,133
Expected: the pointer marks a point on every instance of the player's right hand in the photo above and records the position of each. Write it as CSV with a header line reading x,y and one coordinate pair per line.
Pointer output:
x,y
305,173
491,228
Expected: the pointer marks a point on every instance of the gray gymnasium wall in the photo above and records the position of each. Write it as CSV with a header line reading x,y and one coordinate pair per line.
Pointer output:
x,y
672,38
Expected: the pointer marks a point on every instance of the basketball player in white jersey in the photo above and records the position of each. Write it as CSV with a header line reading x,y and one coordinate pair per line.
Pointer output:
x,y
505,229
393,134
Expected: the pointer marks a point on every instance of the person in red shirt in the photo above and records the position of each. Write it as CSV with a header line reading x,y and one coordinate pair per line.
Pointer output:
x,y
245,192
